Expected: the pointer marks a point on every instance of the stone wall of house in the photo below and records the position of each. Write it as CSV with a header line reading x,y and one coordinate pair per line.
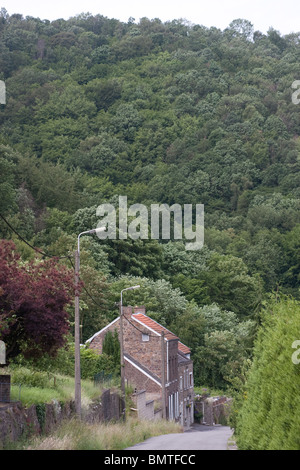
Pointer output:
x,y
143,363
146,352
172,361
139,381
97,342
186,393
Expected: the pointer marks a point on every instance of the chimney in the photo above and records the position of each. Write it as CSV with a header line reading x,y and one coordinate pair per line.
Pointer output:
x,y
127,311
140,309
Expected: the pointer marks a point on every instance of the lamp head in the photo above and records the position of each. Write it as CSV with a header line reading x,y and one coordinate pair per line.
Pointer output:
x,y
98,230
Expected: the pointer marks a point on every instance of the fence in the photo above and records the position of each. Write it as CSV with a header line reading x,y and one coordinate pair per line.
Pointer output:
x,y
102,378
10,392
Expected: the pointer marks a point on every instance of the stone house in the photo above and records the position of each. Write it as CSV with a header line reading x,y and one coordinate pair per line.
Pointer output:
x,y
155,360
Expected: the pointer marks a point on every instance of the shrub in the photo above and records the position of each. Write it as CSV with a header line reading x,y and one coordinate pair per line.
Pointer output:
x,y
30,378
269,416
64,363
91,363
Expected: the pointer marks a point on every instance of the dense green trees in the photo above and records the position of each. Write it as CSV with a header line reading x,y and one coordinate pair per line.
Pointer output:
x,y
163,113
7,180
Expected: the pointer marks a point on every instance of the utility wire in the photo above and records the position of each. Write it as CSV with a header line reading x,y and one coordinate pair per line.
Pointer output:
x,y
28,244
48,255
84,288
151,336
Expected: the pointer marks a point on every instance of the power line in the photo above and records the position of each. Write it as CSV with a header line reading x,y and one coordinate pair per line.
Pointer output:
x,y
151,336
48,255
84,288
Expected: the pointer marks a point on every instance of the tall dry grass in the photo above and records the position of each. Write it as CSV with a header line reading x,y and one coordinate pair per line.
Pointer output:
x,y
76,435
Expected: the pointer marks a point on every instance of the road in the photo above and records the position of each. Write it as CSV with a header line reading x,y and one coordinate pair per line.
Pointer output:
x,y
198,437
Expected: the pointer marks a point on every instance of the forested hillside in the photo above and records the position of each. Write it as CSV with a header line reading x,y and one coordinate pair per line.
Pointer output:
x,y
161,113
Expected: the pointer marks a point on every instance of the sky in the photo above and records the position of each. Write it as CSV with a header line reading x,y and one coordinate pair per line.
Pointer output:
x,y
282,15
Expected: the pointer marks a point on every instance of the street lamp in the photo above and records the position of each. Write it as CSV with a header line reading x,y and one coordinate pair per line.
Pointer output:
x,y
122,345
77,321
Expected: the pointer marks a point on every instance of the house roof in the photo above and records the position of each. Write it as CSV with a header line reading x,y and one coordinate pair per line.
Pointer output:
x,y
153,326
100,331
157,328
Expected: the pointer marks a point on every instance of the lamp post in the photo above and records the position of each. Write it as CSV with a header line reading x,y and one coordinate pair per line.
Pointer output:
x,y
122,346
77,322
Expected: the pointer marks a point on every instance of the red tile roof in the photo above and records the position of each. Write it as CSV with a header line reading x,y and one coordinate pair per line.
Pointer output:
x,y
153,325
183,348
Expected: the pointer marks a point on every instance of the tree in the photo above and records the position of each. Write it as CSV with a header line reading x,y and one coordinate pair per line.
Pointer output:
x,y
220,343
7,183
111,347
292,250
33,301
163,303
126,121
242,27
230,285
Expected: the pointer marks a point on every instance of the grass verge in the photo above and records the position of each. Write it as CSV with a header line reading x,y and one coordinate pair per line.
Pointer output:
x,y
78,435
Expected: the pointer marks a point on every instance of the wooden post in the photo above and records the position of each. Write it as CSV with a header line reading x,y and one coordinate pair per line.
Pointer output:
x,y
163,375
122,359
77,340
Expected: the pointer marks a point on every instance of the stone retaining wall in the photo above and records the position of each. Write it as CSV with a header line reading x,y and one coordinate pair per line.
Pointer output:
x,y
17,421
5,388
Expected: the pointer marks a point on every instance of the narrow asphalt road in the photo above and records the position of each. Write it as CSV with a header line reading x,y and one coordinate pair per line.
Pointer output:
x,y
198,437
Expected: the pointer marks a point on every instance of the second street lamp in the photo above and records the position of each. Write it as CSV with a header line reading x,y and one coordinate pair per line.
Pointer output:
x,y
122,346
77,322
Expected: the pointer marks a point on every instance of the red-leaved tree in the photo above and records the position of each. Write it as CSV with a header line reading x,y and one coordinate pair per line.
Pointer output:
x,y
33,301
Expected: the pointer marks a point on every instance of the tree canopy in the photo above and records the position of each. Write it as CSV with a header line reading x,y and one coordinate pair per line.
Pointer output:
x,y
33,304
164,113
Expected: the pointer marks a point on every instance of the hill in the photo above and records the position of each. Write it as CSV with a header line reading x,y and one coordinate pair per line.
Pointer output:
x,y
162,113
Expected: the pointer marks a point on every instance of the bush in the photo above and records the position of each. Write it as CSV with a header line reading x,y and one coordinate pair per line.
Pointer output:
x,y
269,416
91,363
30,378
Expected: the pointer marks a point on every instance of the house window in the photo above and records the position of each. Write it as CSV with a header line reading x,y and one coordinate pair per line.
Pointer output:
x,y
185,379
145,337
191,379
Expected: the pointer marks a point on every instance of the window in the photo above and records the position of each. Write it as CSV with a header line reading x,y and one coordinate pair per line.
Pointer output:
x,y
145,337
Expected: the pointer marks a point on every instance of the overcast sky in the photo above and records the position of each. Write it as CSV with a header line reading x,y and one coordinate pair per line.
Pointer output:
x,y
283,15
